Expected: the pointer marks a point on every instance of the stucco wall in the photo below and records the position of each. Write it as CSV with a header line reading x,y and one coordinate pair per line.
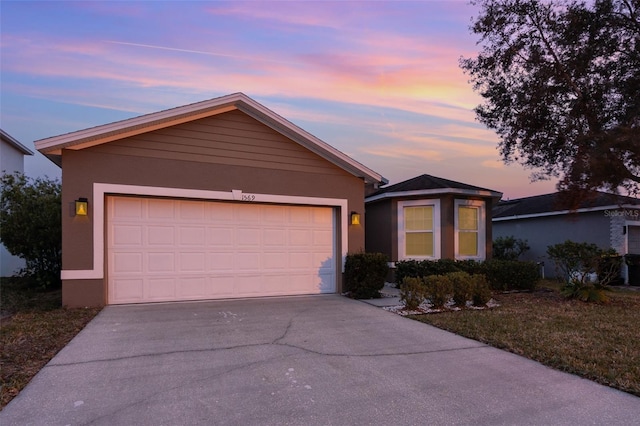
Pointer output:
x,y
119,163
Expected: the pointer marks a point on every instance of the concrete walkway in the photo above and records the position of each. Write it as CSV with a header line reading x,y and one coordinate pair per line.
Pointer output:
x,y
323,360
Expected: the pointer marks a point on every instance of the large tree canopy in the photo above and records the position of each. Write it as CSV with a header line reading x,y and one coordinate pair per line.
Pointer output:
x,y
561,87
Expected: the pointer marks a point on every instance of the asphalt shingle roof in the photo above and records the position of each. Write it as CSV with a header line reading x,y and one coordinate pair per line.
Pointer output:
x,y
426,182
554,202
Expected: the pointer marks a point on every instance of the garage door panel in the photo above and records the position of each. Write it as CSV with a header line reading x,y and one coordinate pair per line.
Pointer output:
x,y
124,235
192,262
161,262
161,289
169,250
161,235
126,262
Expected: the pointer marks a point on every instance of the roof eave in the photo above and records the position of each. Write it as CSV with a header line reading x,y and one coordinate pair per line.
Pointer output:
x,y
113,131
439,191
15,143
564,212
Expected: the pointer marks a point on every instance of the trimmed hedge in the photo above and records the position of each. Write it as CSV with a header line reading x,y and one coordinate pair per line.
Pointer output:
x,y
502,275
365,274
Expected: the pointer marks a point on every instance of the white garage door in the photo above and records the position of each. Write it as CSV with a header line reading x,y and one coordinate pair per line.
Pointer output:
x,y
172,250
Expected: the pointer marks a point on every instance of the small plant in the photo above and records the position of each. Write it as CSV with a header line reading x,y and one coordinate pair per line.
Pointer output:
x,y
439,290
481,290
412,292
509,248
462,287
365,274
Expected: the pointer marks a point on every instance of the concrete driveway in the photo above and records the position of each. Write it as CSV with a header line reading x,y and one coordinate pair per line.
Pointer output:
x,y
302,361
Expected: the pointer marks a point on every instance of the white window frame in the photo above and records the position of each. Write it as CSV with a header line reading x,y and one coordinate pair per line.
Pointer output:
x,y
482,229
435,203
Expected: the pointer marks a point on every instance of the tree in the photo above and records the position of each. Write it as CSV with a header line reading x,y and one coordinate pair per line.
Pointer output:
x,y
561,87
30,226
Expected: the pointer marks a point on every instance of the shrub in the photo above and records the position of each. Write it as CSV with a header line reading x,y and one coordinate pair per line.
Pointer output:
x,y
31,228
511,274
509,248
364,274
439,290
481,290
462,287
412,292
578,263
424,268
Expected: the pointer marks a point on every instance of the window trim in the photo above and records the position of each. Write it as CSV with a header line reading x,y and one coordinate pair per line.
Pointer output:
x,y
482,229
435,203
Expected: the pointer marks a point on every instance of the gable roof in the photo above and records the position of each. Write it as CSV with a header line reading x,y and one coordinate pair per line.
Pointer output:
x,y
52,147
551,204
430,185
7,138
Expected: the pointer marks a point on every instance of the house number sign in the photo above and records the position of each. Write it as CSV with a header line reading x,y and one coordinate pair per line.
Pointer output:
x,y
248,197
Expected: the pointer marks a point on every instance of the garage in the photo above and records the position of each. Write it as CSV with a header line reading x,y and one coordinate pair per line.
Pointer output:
x,y
217,199
177,250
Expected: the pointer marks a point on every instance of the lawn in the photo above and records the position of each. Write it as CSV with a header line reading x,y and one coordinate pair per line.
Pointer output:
x,y
33,328
598,342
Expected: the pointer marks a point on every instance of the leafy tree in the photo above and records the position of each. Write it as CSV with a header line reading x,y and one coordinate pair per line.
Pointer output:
x,y
561,87
509,248
30,226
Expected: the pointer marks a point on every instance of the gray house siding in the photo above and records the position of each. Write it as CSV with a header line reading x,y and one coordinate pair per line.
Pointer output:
x,y
541,232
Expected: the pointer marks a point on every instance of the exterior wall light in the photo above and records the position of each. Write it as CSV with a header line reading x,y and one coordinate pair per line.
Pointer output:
x,y
355,218
82,207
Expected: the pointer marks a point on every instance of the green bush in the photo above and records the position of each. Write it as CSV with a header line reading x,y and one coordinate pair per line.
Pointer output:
x,y
577,262
424,268
509,248
481,290
412,292
505,275
31,226
439,290
462,287
364,274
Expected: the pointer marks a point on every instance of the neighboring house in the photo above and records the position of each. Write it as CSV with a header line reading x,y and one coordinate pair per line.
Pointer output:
x,y
12,155
607,220
428,217
218,199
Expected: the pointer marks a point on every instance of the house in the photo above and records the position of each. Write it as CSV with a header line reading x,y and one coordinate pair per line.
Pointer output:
x,y
428,217
217,199
607,220
12,155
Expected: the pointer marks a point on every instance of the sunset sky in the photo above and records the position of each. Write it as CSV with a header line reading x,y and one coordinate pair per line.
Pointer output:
x,y
377,80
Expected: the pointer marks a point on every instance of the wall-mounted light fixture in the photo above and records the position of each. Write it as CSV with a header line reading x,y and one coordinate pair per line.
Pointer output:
x,y
82,207
355,218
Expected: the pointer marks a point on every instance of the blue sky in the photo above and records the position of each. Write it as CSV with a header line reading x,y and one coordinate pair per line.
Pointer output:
x,y
377,80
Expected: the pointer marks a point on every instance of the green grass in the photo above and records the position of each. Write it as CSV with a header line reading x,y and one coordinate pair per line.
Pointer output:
x,y
600,342
34,327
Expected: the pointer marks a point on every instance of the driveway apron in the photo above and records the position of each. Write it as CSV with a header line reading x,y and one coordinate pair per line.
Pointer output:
x,y
311,360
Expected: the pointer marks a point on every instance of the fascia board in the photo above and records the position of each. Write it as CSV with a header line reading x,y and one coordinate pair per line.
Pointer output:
x,y
563,212
137,125
429,192
15,143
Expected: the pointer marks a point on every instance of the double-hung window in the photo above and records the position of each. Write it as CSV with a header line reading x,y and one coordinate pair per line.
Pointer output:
x,y
419,229
470,229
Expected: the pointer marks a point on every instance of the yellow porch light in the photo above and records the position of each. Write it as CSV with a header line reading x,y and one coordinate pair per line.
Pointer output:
x,y
82,207
355,218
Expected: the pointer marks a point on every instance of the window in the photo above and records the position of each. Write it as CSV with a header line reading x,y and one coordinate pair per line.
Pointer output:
x,y
470,230
418,229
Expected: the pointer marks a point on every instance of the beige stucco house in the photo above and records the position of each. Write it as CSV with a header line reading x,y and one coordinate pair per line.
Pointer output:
x,y
218,199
